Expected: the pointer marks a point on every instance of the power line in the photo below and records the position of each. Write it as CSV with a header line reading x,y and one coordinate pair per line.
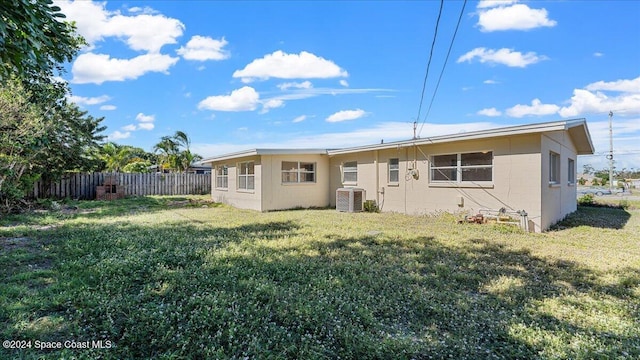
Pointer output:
x,y
433,44
622,152
453,39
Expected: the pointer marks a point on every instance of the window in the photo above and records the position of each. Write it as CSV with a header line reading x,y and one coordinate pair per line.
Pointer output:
x,y
467,167
222,176
477,166
394,170
554,168
350,172
246,176
571,171
298,172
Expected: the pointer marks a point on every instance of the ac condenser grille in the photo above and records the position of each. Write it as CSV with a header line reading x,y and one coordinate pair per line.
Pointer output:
x,y
349,199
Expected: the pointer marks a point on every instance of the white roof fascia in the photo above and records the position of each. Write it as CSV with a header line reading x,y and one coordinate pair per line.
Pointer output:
x,y
480,134
256,152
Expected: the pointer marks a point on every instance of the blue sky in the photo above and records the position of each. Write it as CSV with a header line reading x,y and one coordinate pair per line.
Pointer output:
x,y
327,74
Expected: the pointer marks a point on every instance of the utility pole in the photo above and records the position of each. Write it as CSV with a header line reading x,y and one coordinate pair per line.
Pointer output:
x,y
610,156
415,126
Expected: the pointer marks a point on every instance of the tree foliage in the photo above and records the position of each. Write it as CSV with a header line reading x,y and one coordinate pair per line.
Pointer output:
x,y
22,133
41,144
43,136
114,157
124,158
34,39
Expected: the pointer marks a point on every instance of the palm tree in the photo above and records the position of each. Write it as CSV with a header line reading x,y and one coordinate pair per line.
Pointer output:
x,y
166,150
171,155
186,158
114,157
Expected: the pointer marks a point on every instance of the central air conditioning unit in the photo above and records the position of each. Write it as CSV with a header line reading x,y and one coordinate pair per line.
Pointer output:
x,y
350,199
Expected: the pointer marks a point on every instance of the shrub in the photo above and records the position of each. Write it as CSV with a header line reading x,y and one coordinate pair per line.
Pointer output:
x,y
370,206
625,204
586,200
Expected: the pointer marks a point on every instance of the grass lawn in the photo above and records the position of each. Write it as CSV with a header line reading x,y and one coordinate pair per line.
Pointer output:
x,y
164,279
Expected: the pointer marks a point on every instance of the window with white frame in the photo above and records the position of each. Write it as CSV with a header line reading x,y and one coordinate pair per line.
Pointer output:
x,y
554,168
394,170
462,167
350,172
246,175
298,172
222,177
571,172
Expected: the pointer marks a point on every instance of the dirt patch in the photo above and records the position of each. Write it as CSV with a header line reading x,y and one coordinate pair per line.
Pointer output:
x,y
9,244
192,203
41,262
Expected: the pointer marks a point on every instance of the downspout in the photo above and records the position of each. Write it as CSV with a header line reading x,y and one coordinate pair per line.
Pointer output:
x,y
377,179
406,183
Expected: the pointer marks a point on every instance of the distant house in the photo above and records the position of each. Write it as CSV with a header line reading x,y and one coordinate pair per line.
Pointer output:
x,y
528,167
195,168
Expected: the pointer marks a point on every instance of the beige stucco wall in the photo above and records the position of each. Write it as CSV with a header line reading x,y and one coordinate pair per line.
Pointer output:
x,y
279,196
516,178
557,200
244,199
270,193
520,179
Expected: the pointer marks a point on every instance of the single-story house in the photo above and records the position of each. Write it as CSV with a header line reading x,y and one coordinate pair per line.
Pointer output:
x,y
530,168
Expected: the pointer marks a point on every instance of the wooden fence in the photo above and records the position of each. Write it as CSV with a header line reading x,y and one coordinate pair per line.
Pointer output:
x,y
83,186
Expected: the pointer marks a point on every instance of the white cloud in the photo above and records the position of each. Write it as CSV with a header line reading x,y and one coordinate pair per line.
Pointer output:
x,y
289,66
490,82
243,99
502,56
490,112
295,85
389,131
145,118
536,108
299,94
98,68
625,99
144,32
81,100
300,118
108,107
271,104
512,17
117,135
484,4
344,83
629,86
345,115
146,126
145,122
202,48
584,102
620,96
144,10
598,54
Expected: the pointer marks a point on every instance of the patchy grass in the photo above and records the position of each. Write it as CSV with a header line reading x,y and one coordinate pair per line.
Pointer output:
x,y
164,278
